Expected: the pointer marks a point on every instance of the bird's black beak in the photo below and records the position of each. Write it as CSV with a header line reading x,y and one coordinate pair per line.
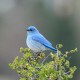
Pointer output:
x,y
27,30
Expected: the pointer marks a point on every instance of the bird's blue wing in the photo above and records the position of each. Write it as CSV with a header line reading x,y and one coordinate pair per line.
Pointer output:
x,y
44,41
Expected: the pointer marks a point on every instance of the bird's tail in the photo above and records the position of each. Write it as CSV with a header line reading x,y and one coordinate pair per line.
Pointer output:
x,y
53,49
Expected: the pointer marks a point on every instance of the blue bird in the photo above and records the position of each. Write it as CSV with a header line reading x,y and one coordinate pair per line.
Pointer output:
x,y
36,41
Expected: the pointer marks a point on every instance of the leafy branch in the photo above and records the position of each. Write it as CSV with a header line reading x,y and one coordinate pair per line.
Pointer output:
x,y
30,67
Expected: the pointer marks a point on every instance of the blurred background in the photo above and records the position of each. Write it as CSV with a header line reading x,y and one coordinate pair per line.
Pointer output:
x,y
57,20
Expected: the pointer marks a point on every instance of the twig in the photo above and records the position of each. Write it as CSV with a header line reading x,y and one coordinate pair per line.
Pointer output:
x,y
45,58
57,56
67,72
69,58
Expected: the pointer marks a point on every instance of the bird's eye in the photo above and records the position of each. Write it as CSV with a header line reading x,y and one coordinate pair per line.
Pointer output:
x,y
31,30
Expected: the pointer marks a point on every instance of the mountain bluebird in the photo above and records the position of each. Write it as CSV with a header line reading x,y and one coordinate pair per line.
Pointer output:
x,y
37,42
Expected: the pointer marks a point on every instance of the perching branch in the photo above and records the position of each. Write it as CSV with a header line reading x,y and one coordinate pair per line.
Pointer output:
x,y
30,68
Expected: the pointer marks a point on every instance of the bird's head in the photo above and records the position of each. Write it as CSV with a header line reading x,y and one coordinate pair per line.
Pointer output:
x,y
31,30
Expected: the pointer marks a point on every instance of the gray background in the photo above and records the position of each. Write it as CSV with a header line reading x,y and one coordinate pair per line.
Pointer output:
x,y
57,20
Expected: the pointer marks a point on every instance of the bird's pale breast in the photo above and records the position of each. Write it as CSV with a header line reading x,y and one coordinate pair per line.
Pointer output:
x,y
34,45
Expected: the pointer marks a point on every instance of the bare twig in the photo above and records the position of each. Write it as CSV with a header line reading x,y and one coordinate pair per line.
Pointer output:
x,y
57,56
45,58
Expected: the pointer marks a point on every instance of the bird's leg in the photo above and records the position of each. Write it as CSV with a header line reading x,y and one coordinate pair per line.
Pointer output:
x,y
35,54
38,53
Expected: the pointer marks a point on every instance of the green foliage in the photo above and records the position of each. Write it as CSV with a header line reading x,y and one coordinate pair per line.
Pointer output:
x,y
30,67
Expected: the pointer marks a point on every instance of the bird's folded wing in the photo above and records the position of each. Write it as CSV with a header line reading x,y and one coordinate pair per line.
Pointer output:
x,y
42,40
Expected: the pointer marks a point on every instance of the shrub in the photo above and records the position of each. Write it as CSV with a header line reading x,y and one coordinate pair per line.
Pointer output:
x,y
34,66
